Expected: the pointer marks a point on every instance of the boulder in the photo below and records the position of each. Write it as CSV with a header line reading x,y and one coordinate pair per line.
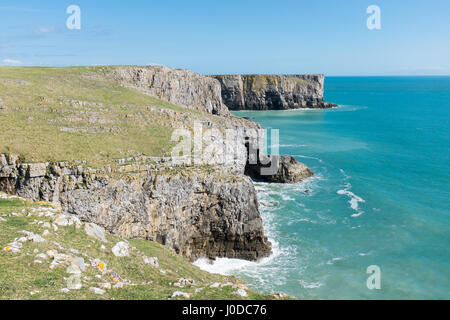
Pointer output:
x,y
95,231
288,170
121,249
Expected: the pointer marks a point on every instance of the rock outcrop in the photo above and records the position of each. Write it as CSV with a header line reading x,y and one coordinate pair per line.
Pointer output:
x,y
288,170
178,86
198,214
273,92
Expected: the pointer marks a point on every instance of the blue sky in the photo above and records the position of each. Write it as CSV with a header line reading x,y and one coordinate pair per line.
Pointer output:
x,y
246,36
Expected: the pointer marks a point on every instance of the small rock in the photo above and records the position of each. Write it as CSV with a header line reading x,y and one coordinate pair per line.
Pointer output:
x,y
180,294
37,261
42,256
97,290
241,292
215,285
45,233
121,249
64,290
153,261
68,220
95,231
73,269
74,282
79,262
105,285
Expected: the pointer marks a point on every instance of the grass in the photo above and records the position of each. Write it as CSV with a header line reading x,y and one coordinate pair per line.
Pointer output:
x,y
20,276
41,122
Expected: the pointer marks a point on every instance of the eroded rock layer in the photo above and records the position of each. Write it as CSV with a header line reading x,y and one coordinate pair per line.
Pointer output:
x,y
273,92
198,214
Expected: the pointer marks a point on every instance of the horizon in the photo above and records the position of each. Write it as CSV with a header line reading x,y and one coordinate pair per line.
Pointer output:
x,y
255,37
249,74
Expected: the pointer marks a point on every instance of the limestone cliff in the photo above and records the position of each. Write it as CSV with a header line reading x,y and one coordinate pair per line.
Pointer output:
x,y
273,92
180,87
197,213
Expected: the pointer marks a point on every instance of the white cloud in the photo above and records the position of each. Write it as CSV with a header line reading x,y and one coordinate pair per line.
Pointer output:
x,y
12,62
42,30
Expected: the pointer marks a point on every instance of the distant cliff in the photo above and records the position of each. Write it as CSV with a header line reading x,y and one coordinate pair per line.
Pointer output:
x,y
273,92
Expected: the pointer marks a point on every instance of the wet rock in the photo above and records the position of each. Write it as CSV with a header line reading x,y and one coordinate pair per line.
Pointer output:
x,y
288,170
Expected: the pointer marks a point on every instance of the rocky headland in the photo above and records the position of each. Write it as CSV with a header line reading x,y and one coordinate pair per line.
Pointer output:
x,y
273,92
199,210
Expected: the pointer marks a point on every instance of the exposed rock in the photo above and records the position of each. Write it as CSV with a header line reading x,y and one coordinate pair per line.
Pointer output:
x,y
105,285
241,293
74,282
97,290
289,170
121,249
200,214
180,87
180,294
273,92
95,231
73,269
153,261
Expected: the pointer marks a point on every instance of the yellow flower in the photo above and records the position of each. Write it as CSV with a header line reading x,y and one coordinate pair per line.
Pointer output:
x,y
101,266
7,248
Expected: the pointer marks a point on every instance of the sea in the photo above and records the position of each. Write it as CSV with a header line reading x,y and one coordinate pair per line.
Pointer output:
x,y
380,195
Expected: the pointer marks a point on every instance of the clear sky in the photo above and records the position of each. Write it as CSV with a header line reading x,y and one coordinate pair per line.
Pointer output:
x,y
246,36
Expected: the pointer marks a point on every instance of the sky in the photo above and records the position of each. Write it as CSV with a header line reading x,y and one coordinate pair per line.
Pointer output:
x,y
229,37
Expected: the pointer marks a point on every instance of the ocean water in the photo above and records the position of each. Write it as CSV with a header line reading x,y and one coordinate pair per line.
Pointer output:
x,y
380,195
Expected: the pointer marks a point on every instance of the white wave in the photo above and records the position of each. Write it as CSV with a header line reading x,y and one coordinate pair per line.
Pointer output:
x,y
227,266
332,261
354,199
310,285
308,157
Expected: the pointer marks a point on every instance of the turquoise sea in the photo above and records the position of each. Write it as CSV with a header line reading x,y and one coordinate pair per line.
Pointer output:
x,y
380,195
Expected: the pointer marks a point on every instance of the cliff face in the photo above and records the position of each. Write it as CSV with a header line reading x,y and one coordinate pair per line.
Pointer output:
x,y
273,92
195,213
180,87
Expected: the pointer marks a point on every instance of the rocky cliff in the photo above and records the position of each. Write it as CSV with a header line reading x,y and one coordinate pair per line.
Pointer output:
x,y
180,87
198,213
273,92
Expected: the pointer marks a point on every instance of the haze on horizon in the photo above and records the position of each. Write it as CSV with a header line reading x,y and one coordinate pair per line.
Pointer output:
x,y
226,37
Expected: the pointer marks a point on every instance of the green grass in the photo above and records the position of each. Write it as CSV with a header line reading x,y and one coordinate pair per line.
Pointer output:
x,y
41,124
19,275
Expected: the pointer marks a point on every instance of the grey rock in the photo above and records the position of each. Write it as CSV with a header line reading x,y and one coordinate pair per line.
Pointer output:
x,y
121,249
199,214
273,92
95,231
289,170
180,87
153,261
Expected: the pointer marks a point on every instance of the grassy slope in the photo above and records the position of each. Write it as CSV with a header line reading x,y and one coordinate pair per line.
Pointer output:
x,y
40,122
19,275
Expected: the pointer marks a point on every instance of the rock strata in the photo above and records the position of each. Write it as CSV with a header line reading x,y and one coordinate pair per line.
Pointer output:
x,y
178,86
199,214
273,92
